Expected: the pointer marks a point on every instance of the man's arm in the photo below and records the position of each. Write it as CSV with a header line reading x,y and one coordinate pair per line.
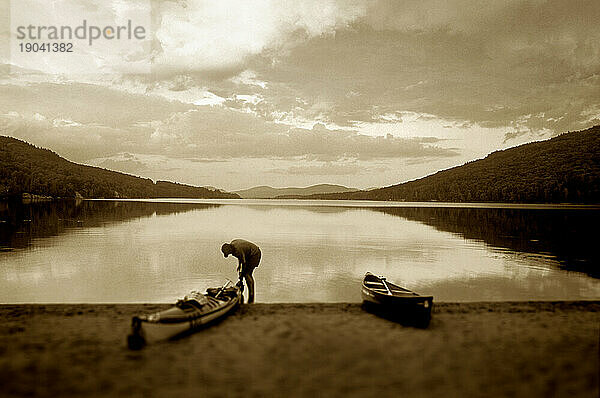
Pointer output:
x,y
242,262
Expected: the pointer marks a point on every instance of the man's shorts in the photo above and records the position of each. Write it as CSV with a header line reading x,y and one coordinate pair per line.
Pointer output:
x,y
251,263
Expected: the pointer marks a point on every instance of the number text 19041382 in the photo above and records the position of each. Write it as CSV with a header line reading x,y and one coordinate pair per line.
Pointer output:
x,y
46,47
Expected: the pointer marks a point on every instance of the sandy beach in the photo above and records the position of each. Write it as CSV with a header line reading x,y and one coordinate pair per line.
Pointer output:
x,y
529,349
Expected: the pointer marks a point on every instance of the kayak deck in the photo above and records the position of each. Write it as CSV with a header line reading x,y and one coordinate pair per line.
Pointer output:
x,y
189,314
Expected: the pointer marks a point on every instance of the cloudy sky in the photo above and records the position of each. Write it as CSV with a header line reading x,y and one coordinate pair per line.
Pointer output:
x,y
293,93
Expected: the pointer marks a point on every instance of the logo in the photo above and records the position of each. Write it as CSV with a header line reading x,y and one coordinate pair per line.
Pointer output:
x,y
79,37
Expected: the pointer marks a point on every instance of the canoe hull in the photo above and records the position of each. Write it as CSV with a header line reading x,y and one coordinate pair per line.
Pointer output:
x,y
397,303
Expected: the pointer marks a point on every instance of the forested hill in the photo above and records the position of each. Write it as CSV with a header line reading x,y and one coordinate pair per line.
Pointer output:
x,y
25,168
265,192
562,169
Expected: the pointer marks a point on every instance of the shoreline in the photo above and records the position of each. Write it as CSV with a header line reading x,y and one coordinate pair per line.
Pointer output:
x,y
526,349
35,199
360,203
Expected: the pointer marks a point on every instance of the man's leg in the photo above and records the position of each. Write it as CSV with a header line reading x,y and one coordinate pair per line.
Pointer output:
x,y
247,271
250,284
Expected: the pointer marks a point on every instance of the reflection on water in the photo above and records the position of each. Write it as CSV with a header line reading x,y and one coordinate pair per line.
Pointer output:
x,y
147,251
567,234
20,224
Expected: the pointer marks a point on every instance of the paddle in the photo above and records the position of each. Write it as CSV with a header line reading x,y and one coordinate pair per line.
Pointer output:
x,y
386,286
223,287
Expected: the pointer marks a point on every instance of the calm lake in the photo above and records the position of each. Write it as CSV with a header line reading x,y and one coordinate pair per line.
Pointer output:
x,y
157,251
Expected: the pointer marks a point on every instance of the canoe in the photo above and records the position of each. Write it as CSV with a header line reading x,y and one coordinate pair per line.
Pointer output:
x,y
393,301
189,314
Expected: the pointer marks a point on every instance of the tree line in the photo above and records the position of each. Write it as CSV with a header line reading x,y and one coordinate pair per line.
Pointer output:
x,y
25,168
565,168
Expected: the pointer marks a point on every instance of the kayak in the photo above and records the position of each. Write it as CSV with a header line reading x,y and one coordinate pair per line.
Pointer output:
x,y
189,314
393,301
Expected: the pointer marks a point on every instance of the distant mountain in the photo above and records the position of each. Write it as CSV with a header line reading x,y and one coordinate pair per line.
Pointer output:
x,y
265,192
26,169
562,169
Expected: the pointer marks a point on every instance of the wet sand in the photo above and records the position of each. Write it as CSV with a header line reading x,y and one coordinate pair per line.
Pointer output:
x,y
307,350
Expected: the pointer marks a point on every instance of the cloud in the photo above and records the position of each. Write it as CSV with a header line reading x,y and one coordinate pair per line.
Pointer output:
x,y
423,15
86,103
486,64
228,133
70,122
248,77
248,81
124,162
75,141
347,62
341,168
221,35
91,55
211,132
512,135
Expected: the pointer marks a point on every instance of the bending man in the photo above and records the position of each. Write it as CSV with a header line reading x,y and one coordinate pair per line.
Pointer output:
x,y
248,255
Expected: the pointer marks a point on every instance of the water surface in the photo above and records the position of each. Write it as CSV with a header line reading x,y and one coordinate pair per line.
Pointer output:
x,y
156,251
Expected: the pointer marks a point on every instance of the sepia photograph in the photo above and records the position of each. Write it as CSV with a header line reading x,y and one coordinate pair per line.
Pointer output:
x,y
275,198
